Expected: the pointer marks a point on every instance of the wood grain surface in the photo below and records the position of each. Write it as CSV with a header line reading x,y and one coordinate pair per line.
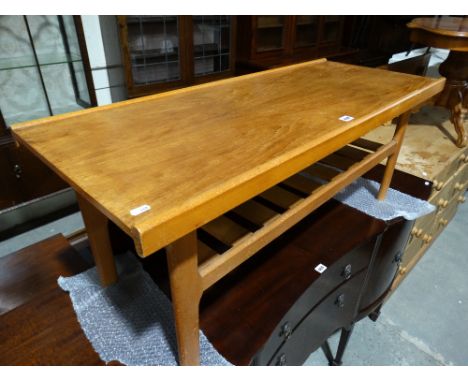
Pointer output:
x,y
449,26
193,154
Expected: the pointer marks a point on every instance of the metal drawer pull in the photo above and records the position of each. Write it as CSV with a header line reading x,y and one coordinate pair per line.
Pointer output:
x,y
18,171
340,301
347,271
281,360
398,257
286,331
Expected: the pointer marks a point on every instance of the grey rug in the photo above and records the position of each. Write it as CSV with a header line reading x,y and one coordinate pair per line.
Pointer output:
x,y
132,320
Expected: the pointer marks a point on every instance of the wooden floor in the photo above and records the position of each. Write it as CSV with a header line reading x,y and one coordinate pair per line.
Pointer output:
x,y
38,323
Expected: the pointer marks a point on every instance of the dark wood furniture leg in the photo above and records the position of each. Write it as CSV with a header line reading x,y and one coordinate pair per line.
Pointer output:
x,y
97,228
344,339
455,94
328,353
186,291
376,313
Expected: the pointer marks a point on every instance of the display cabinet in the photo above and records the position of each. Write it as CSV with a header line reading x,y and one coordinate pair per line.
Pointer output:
x,y
44,71
267,41
43,64
164,52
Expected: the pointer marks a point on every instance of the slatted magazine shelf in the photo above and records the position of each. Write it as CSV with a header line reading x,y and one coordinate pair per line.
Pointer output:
x,y
230,239
236,153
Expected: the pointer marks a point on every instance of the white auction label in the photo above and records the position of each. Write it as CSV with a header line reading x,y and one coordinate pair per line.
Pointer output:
x,y
346,118
139,210
320,268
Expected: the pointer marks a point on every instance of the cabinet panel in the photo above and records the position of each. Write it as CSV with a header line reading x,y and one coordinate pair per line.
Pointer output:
x,y
336,311
331,30
10,186
211,44
306,31
270,33
153,44
168,52
270,41
24,177
35,177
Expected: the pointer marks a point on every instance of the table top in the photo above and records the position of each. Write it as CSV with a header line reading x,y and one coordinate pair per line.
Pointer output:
x,y
162,165
441,32
445,25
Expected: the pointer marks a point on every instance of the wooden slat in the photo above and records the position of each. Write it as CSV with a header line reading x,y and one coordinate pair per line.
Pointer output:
x,y
280,197
338,161
301,183
353,153
225,230
366,144
322,172
204,252
214,269
255,212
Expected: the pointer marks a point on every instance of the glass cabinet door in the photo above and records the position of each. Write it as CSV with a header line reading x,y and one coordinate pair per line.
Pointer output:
x,y
153,43
269,34
306,28
41,68
211,44
331,29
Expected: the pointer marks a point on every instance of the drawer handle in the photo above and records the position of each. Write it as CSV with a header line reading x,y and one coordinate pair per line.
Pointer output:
x,y
438,185
443,222
416,232
286,331
427,238
403,270
442,203
281,360
461,199
340,301
398,257
347,271
459,186
464,158
18,171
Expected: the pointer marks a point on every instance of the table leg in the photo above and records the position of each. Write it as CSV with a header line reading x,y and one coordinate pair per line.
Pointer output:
x,y
96,225
186,291
455,94
391,161
457,118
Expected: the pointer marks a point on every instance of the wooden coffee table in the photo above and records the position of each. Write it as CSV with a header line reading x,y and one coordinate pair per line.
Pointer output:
x,y
448,33
164,166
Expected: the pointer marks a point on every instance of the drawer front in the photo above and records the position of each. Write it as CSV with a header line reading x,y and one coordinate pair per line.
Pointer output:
x,y
443,219
334,312
415,247
387,260
419,232
460,182
441,179
453,186
336,274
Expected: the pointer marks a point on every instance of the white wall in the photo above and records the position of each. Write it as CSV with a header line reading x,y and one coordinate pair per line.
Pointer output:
x,y
102,41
